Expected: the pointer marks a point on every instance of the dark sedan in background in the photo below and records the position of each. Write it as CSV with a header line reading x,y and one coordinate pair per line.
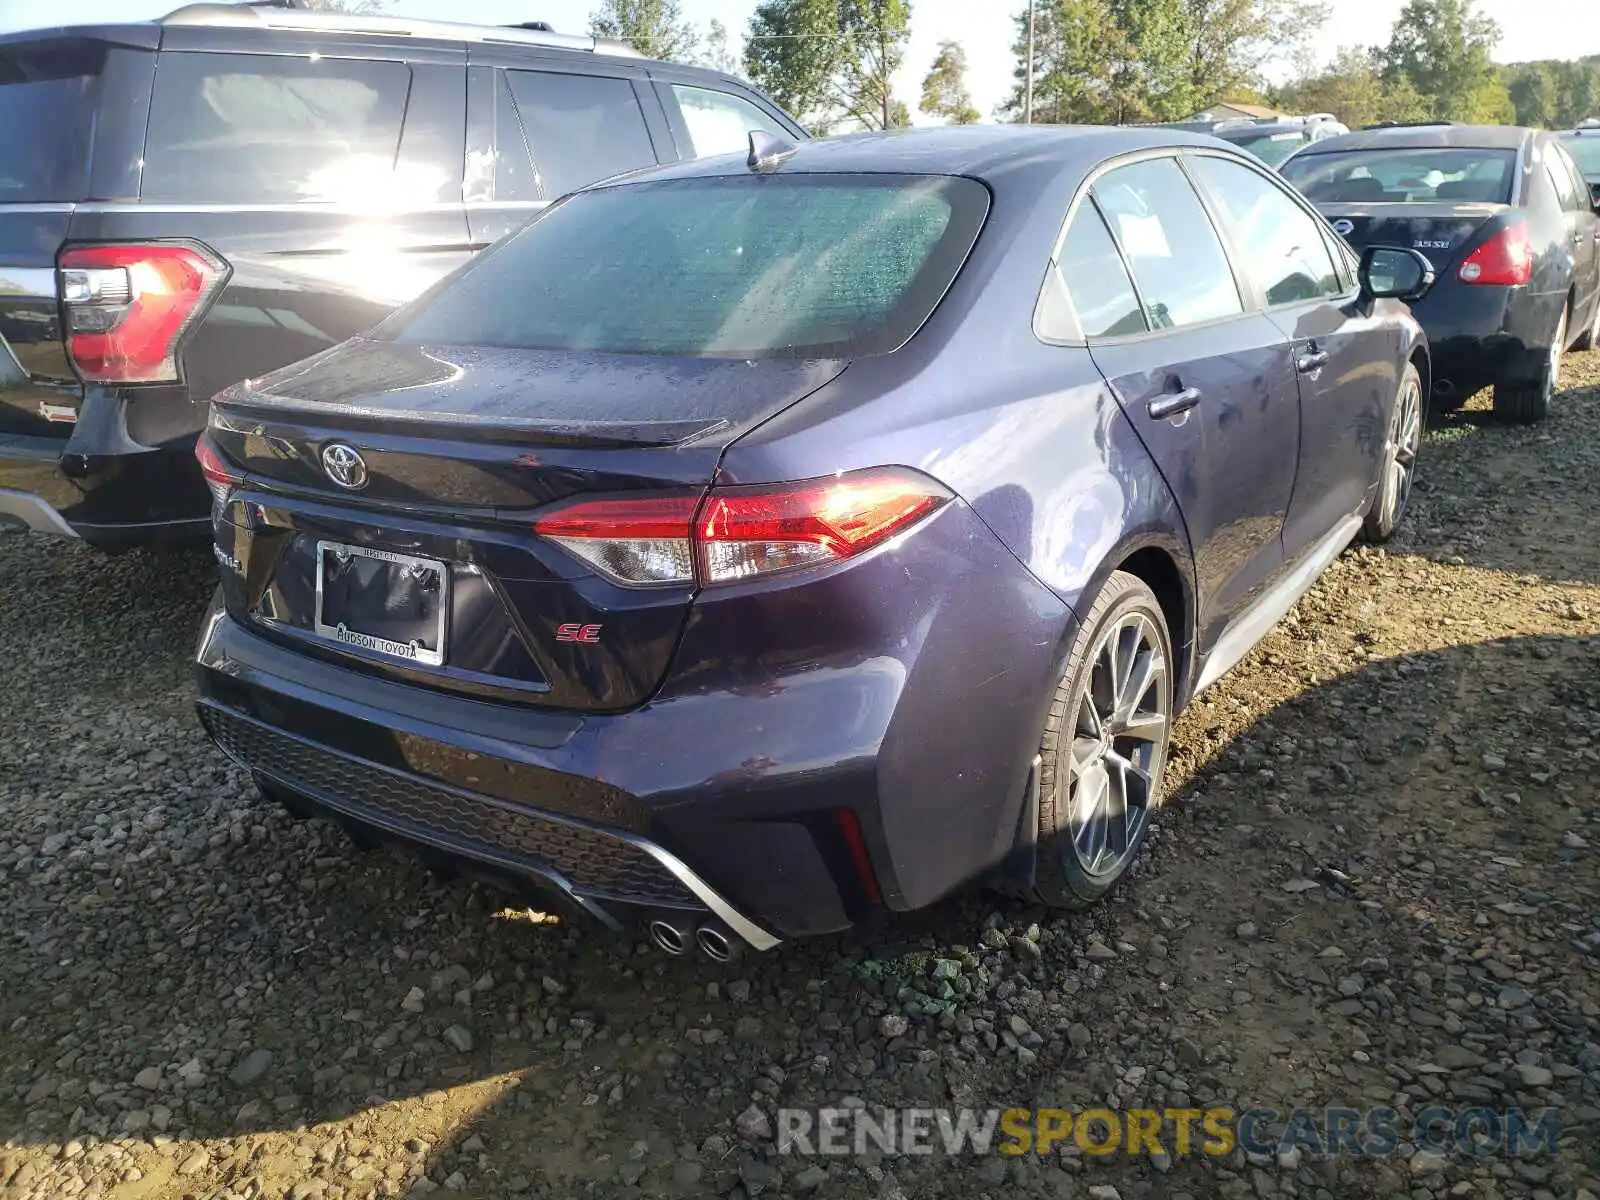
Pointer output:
x,y
1511,229
757,543
1583,143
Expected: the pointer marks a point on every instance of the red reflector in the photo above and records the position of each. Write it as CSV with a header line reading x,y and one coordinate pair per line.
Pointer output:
x,y
856,843
1505,259
127,307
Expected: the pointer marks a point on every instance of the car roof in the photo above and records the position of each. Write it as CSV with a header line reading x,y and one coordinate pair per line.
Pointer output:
x,y
978,151
1424,137
247,19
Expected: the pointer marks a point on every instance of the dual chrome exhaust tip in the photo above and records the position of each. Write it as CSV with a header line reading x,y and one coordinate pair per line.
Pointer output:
x,y
675,936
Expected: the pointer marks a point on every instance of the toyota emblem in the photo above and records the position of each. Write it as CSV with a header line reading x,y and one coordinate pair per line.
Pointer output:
x,y
1344,228
344,466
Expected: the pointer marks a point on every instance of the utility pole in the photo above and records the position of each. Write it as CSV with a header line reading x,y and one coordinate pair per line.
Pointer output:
x,y
1028,107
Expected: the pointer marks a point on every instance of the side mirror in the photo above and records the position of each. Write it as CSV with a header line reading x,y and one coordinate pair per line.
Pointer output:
x,y
1394,273
1594,195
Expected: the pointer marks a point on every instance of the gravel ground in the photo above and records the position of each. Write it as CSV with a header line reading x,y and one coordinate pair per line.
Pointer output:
x,y
1378,886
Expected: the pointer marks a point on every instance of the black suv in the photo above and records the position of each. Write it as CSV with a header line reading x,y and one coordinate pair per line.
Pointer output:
x,y
196,200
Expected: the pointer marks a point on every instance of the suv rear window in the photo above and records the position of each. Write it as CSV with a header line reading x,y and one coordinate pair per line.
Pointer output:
x,y
1403,175
263,129
47,102
803,266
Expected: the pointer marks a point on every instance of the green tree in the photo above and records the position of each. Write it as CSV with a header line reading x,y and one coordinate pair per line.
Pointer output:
x,y
1076,46
1442,49
1532,87
876,33
714,52
793,50
654,28
1353,89
1151,77
831,61
1230,41
944,91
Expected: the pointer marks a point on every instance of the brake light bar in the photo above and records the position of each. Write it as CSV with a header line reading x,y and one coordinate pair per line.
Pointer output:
x,y
128,306
740,533
1505,259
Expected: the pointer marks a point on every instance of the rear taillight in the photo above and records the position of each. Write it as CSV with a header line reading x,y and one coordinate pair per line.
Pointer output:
x,y
127,307
220,478
742,532
1505,259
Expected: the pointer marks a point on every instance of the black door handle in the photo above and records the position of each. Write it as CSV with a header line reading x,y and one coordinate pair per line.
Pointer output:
x,y
1163,407
1314,361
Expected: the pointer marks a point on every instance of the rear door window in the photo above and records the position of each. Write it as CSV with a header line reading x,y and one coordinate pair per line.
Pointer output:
x,y
264,129
1281,243
1174,252
47,108
1090,275
579,128
720,123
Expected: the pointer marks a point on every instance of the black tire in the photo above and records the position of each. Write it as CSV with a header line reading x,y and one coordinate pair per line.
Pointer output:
x,y
1400,460
1062,878
1527,404
1591,338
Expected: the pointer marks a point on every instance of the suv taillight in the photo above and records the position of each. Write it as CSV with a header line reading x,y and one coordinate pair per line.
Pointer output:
x,y
742,533
127,307
1506,258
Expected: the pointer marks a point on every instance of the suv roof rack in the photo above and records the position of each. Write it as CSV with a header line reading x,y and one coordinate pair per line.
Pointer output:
x,y
287,14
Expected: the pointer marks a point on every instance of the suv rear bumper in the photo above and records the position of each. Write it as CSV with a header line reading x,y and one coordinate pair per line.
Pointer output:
x,y
112,496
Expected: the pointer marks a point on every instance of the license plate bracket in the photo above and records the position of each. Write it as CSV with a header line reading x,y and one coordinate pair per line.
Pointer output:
x,y
389,604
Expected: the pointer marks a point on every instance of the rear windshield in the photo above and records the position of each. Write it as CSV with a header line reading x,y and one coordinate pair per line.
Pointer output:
x,y
1404,175
1271,148
47,100
801,266
1586,150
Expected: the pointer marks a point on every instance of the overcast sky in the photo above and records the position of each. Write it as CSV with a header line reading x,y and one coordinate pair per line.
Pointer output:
x,y
1530,28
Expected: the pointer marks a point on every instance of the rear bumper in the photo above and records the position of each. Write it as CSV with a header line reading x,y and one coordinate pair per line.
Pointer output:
x,y
102,486
1482,336
769,771
594,868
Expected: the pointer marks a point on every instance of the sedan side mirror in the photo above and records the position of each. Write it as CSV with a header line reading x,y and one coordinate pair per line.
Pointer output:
x,y
1394,273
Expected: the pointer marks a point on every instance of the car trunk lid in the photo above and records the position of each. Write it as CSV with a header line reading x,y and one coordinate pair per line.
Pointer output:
x,y
460,450
1440,230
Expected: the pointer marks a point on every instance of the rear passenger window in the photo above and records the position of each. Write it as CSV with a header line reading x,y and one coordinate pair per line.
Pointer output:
x,y
719,123
1176,257
580,129
1089,274
263,129
1280,241
48,95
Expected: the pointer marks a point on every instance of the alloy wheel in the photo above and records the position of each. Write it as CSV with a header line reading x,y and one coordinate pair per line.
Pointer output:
x,y
1119,743
1407,441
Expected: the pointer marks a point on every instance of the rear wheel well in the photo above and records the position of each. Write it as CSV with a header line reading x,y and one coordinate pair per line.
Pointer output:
x,y
1161,575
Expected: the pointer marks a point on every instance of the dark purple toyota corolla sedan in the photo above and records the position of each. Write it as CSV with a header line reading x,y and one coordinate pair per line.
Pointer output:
x,y
745,546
